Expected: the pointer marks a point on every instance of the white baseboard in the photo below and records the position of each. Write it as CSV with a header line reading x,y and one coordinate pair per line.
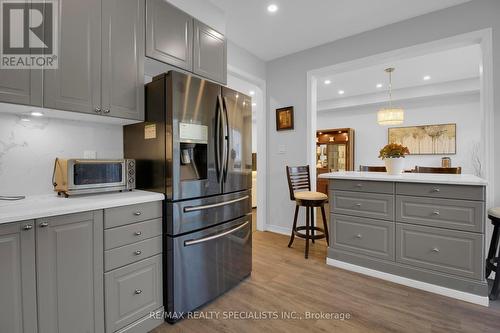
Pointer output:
x,y
278,229
463,296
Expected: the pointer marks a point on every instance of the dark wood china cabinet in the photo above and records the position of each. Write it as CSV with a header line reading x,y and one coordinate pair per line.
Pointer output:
x,y
334,152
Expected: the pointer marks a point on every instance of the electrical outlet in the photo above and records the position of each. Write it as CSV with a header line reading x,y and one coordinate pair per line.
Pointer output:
x,y
90,154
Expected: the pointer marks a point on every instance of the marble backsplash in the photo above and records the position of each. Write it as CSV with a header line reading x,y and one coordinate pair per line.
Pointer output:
x,y
28,149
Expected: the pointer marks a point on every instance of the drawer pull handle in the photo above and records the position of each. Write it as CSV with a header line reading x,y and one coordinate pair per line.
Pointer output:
x,y
137,233
436,189
436,250
358,205
138,291
44,225
138,253
359,236
436,212
137,213
359,185
28,227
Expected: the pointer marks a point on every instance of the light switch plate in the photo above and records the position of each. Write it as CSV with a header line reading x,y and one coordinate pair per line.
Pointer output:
x,y
90,154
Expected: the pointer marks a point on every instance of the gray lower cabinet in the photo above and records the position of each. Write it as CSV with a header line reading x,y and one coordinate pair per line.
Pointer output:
x,y
123,58
209,53
70,273
169,34
76,84
374,205
18,311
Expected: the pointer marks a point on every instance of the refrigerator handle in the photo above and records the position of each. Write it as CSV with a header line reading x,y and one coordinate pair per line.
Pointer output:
x,y
217,139
227,141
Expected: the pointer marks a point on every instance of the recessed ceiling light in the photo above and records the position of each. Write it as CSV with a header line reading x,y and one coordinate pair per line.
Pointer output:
x,y
254,104
341,92
379,85
427,78
272,8
328,81
36,114
252,92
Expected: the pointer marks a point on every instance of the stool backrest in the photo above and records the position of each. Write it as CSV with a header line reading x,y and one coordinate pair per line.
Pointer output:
x,y
420,169
299,179
372,168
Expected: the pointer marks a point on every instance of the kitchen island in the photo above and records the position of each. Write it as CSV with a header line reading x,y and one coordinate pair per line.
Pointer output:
x,y
425,231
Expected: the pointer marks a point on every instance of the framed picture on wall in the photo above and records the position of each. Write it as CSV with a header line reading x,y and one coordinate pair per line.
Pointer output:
x,y
284,118
426,140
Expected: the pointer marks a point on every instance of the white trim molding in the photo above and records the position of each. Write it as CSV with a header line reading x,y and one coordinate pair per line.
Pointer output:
x,y
463,296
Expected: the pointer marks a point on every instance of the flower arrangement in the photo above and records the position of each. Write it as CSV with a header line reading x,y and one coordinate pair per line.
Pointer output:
x,y
393,150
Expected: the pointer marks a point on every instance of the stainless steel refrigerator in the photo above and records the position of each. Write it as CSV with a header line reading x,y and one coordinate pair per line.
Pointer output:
x,y
195,147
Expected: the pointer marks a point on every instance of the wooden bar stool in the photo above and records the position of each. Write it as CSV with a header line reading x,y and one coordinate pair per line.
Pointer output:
x,y
492,262
299,184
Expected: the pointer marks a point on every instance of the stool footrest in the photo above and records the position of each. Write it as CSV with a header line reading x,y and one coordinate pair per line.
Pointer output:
x,y
302,235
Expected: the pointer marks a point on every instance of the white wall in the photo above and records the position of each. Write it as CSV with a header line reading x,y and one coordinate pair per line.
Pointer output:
x,y
28,149
287,84
242,60
370,137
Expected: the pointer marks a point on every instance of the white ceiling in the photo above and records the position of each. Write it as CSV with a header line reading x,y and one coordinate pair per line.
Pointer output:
x,y
451,65
302,24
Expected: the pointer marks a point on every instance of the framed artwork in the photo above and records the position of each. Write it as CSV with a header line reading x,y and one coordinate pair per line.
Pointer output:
x,y
284,118
426,140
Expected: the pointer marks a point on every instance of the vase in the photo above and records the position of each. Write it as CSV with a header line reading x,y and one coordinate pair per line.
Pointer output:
x,y
394,166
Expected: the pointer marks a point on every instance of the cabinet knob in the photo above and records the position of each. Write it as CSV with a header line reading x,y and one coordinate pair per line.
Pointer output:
x,y
138,253
359,185
27,227
137,213
436,189
97,110
44,225
106,110
359,236
138,291
435,250
358,205
137,233
436,212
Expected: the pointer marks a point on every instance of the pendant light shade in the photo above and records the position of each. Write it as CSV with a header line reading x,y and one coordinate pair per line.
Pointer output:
x,y
390,115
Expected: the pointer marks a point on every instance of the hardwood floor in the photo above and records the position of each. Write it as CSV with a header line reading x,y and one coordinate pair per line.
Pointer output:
x,y
282,280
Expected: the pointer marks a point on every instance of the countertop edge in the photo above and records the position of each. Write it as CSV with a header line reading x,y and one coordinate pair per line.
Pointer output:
x,y
100,202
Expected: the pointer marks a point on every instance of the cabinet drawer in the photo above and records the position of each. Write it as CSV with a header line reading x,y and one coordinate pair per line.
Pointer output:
x,y
374,205
361,235
128,254
464,192
452,214
117,216
362,186
132,292
132,233
443,250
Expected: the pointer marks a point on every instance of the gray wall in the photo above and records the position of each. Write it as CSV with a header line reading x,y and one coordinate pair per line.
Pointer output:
x,y
287,85
243,60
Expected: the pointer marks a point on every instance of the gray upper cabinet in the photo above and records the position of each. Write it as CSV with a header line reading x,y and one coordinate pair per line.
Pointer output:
x,y
169,34
21,86
17,278
70,280
76,84
123,58
209,53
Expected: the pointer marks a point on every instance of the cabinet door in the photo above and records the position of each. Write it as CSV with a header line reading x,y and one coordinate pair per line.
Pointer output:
x,y
17,278
76,84
210,53
70,273
169,34
123,58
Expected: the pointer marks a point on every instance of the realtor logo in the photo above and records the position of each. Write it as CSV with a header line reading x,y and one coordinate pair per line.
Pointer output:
x,y
28,34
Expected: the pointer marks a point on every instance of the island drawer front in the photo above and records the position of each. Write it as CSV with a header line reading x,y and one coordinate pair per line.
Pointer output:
x,y
374,205
362,186
132,233
118,216
446,213
133,292
370,237
464,192
448,251
128,254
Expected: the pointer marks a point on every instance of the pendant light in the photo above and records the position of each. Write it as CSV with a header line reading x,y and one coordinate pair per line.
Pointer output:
x,y
390,115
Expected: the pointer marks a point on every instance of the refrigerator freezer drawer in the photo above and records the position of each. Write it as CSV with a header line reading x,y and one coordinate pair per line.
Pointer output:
x,y
191,215
203,265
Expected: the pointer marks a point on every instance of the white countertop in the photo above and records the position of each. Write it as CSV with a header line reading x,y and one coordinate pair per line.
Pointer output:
x,y
462,179
38,206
